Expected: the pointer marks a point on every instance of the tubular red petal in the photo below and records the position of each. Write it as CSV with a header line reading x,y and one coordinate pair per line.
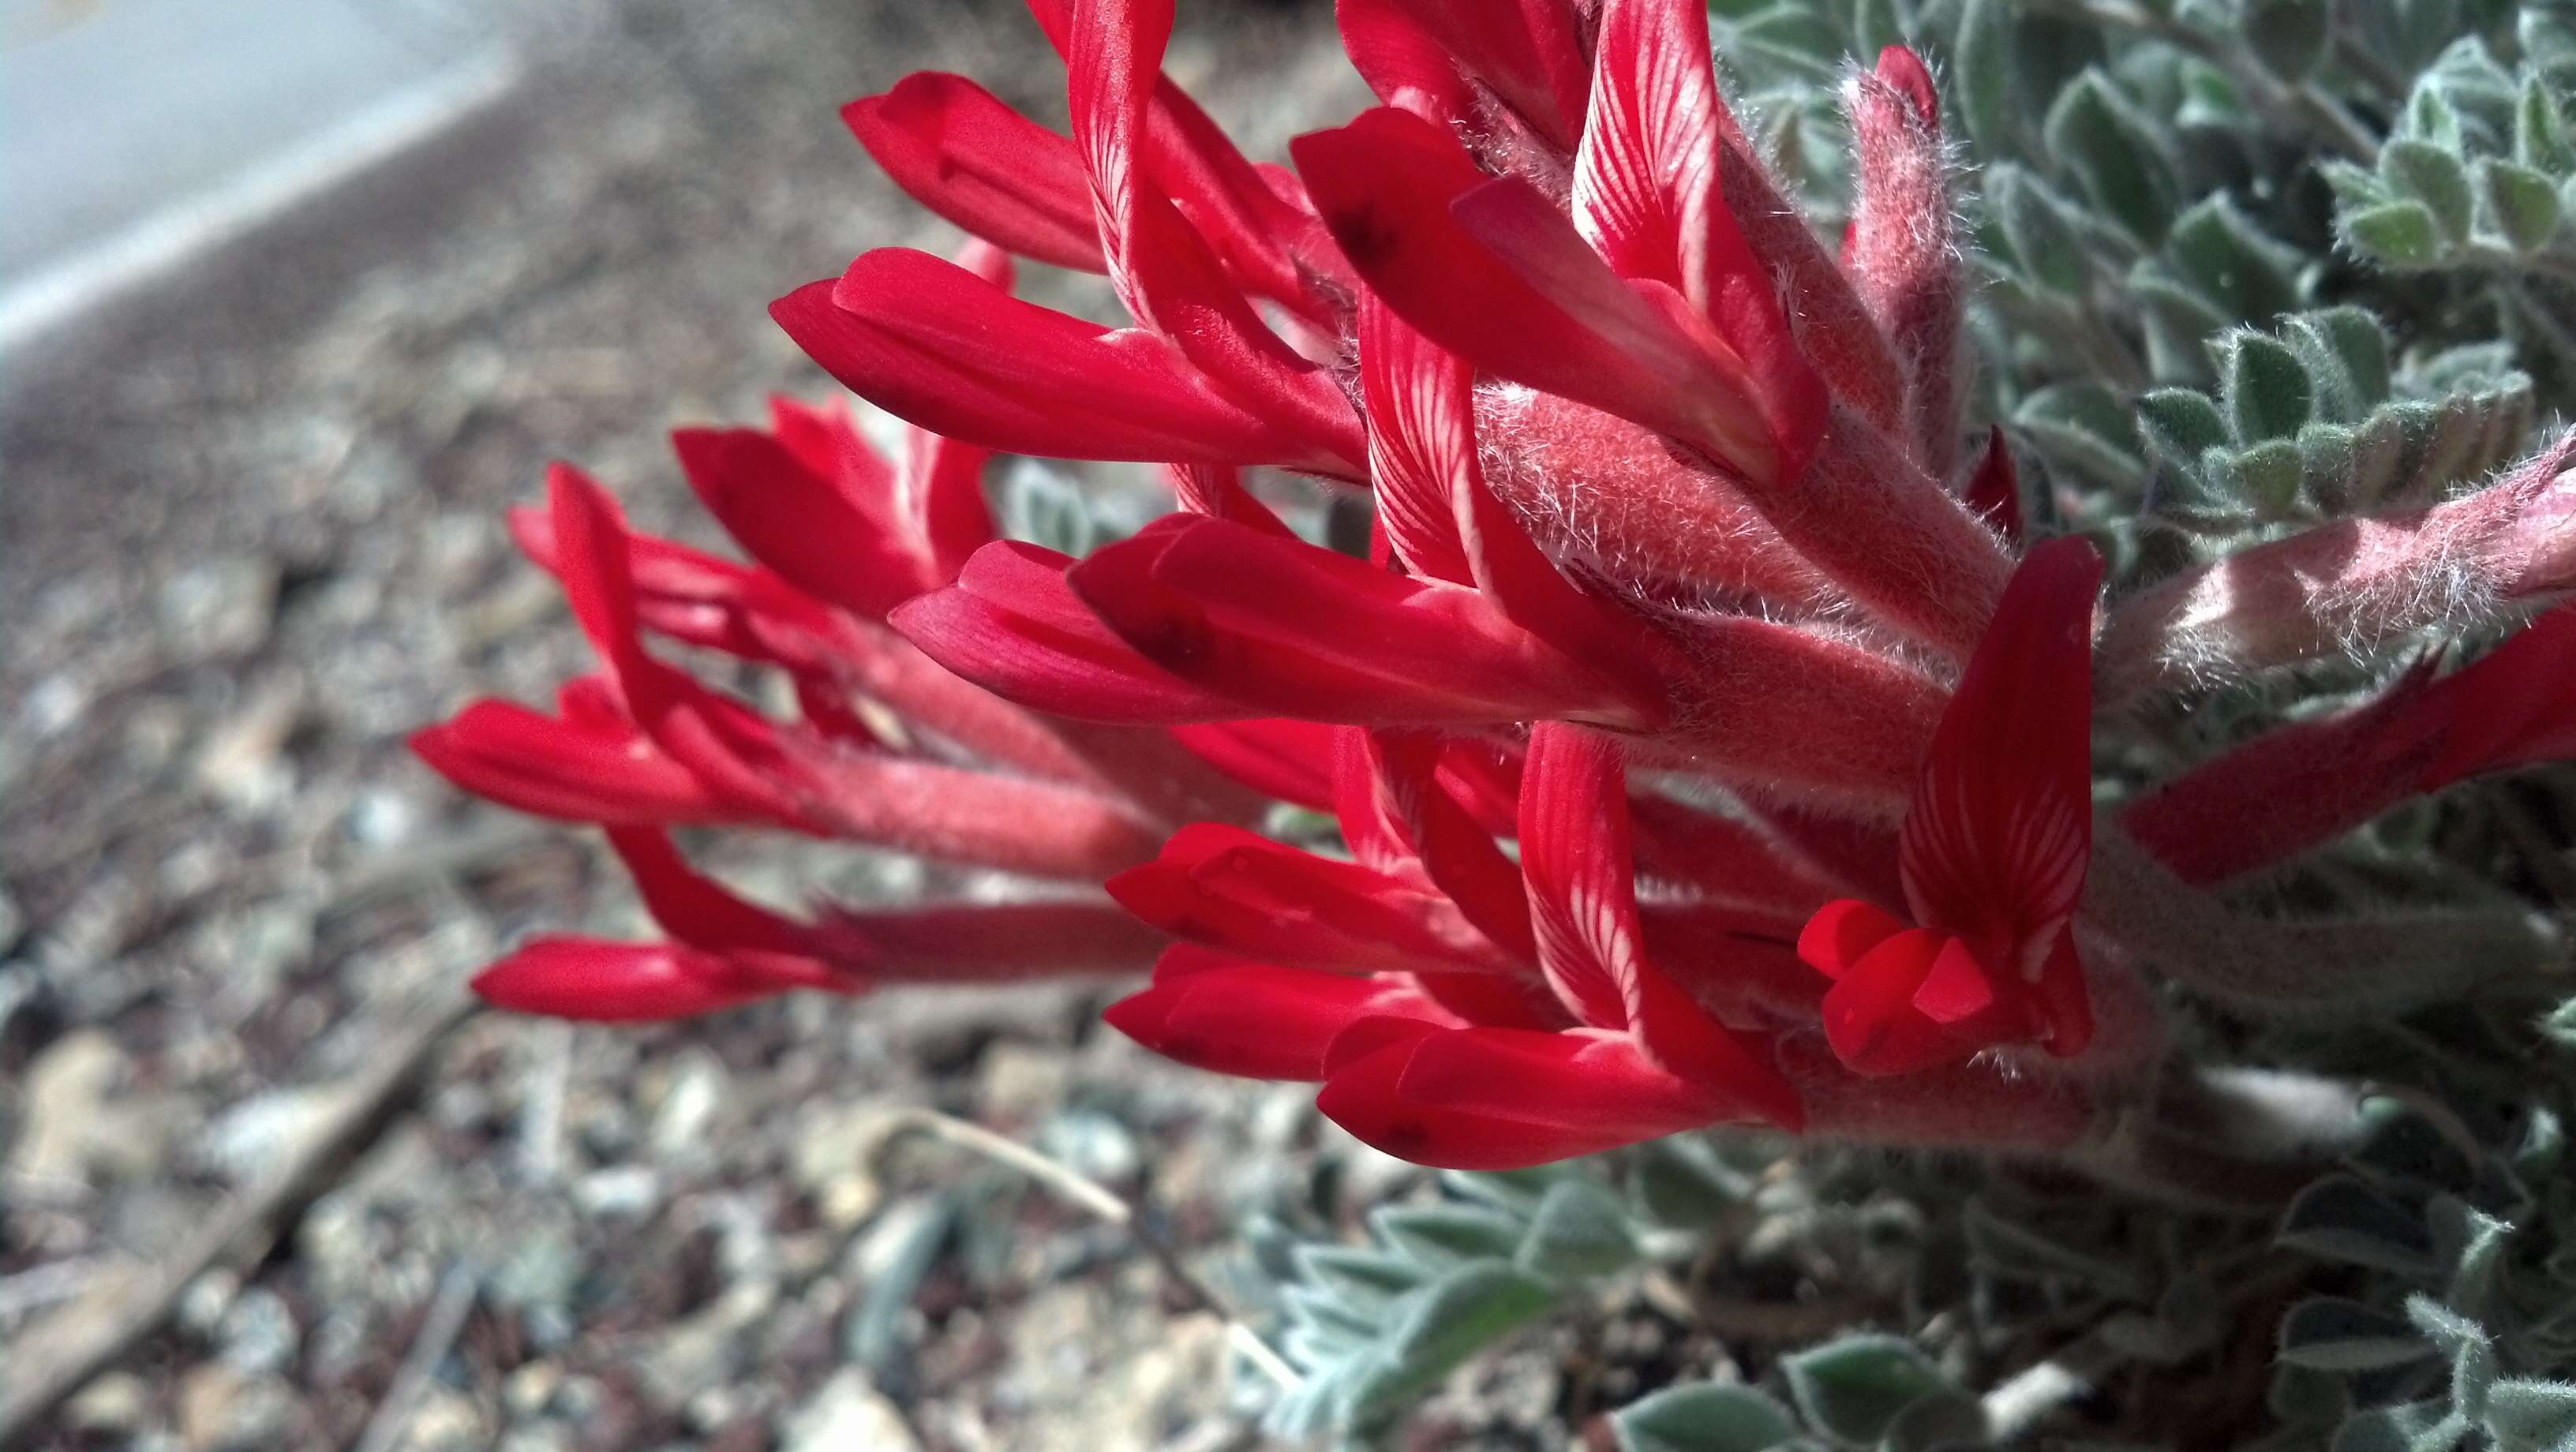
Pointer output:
x,y
1902,255
797,523
1869,1014
698,911
1647,195
965,154
998,942
1842,933
1526,53
2297,786
574,771
1709,397
607,982
1255,1020
1301,630
936,345
1404,63
958,815
1422,442
1459,855
1262,238
1550,315
2000,831
1218,492
1366,1097
1228,888
1278,757
1013,626
1165,271
1443,520
1575,855
2513,706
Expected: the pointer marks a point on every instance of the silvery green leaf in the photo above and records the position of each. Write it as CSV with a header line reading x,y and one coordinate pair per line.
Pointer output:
x,y
2443,1326
1359,1277
2263,388
2433,175
2527,1414
2084,428
1876,25
1854,1389
1335,1321
2430,118
1444,1236
2269,477
2211,99
2226,257
2399,234
1682,1181
1514,1192
2521,202
2289,36
2180,424
2114,151
1703,1418
1981,71
2344,1218
2329,1333
1044,507
2327,455
2543,1145
1441,1326
2346,357
2424,27
1795,38
1581,1230
1945,1421
2035,226
2540,130
2355,187
2548,44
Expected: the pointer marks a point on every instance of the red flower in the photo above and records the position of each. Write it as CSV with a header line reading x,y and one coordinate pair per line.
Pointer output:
x,y
1635,719
1993,854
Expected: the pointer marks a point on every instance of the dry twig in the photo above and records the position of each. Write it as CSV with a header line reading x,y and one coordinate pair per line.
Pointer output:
x,y
1106,1205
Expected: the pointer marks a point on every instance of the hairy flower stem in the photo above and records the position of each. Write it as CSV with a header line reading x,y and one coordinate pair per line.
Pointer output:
x,y
2342,968
2347,586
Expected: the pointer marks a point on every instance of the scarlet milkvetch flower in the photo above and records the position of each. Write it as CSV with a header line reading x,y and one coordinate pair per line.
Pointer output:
x,y
1993,852
1707,728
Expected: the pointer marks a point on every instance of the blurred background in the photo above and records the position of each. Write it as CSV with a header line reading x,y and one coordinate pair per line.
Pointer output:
x,y
295,299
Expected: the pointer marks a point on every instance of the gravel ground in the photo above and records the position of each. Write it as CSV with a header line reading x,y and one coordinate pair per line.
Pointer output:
x,y
252,537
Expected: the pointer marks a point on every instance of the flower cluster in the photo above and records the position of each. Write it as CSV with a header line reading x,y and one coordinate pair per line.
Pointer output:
x,y
1710,727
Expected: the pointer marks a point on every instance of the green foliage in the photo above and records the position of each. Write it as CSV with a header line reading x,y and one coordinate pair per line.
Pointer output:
x,y
1704,1419
1375,1328
1856,1389
2310,421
